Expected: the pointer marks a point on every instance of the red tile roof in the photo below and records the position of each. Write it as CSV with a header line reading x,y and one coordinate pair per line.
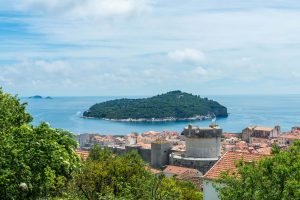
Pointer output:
x,y
228,163
186,174
194,177
260,128
293,136
82,153
264,151
230,135
179,170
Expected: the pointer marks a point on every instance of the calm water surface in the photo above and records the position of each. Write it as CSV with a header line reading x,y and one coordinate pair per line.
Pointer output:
x,y
65,112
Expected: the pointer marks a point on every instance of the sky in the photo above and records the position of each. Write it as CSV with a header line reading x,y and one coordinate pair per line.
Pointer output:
x,y
145,47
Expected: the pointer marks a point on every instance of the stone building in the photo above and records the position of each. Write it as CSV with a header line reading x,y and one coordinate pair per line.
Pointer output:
x,y
85,140
288,139
259,134
203,148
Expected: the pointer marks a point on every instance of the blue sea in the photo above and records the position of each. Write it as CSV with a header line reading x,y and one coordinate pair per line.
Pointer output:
x,y
65,112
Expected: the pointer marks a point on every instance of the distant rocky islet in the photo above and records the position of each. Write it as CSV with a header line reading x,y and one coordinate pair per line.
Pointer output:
x,y
40,97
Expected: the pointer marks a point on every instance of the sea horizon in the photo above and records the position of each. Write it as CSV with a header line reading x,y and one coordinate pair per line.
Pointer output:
x,y
244,110
149,95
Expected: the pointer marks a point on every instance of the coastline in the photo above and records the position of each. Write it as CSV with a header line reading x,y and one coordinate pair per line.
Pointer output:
x,y
166,119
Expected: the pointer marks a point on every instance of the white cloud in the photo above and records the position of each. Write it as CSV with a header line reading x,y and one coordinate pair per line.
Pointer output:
x,y
186,55
54,67
73,44
64,77
199,71
86,8
28,71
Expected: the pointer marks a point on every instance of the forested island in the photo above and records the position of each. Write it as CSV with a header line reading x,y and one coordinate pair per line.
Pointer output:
x,y
171,106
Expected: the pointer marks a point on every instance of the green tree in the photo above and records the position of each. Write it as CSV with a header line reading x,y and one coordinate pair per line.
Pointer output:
x,y
105,175
35,162
276,177
165,188
12,112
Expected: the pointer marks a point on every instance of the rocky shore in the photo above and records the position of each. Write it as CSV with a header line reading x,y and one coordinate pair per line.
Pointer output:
x,y
166,119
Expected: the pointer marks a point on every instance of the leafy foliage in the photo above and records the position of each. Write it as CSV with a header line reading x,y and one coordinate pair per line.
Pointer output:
x,y
12,112
35,162
175,104
162,187
107,176
276,177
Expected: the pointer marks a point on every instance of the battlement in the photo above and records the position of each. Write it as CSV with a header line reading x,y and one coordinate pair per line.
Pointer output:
x,y
160,141
202,132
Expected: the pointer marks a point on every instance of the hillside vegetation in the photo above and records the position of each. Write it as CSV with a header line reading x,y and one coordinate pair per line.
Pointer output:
x,y
175,104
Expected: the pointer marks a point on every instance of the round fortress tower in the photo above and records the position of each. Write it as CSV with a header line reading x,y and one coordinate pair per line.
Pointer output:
x,y
203,142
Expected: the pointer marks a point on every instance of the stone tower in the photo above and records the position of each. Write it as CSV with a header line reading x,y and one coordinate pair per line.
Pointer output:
x,y
160,150
203,148
203,142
